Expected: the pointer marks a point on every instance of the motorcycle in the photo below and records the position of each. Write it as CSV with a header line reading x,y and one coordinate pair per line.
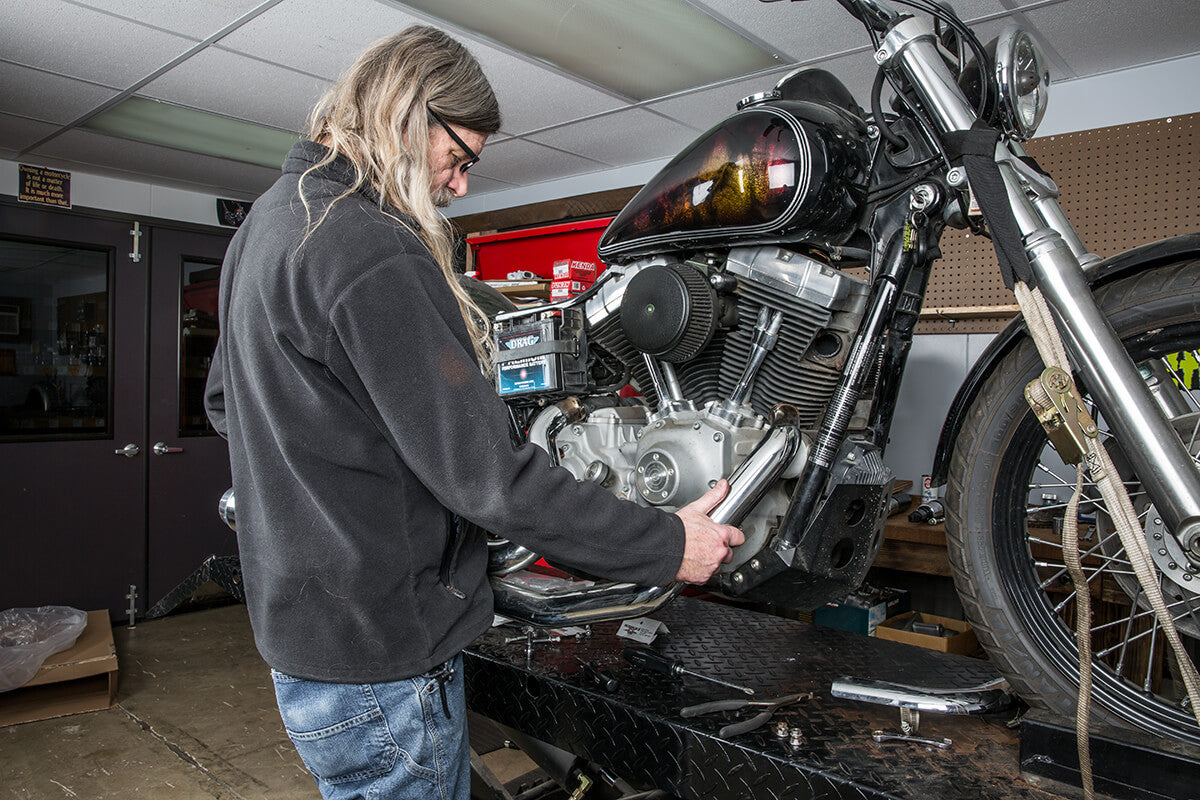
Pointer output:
x,y
760,296
729,303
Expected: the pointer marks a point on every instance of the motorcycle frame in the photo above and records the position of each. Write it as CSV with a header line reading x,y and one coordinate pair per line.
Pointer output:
x,y
1055,252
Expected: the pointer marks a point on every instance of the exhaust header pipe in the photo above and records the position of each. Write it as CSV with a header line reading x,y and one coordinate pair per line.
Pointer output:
x,y
608,601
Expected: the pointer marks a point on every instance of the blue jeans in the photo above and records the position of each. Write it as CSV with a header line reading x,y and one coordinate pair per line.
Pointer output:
x,y
381,740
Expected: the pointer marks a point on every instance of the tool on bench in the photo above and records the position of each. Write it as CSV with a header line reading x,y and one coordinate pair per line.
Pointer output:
x,y
881,736
744,726
991,695
646,658
598,675
529,638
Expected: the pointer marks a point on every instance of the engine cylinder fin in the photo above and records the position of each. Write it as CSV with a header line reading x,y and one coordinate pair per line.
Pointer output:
x,y
789,374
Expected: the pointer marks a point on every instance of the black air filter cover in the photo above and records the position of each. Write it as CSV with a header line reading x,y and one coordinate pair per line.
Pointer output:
x,y
669,312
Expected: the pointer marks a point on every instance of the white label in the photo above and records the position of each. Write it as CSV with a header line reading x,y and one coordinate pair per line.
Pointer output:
x,y
642,629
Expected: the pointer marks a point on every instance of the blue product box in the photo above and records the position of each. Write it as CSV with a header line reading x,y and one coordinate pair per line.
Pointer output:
x,y
862,610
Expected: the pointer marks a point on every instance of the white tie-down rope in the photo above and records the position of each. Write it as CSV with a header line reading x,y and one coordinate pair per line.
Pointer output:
x,y
1125,520
1083,634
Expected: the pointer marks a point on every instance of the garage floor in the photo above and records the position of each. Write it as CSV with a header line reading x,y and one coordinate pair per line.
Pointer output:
x,y
195,718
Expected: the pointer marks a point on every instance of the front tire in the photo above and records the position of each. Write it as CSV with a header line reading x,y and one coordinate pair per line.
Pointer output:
x,y
1007,559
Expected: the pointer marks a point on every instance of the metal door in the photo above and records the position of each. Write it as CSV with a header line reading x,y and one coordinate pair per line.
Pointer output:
x,y
72,410
188,464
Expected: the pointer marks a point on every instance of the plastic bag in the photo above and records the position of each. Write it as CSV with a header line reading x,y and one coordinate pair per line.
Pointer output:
x,y
28,636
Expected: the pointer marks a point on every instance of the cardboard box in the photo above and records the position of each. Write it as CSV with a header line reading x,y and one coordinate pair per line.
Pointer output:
x,y
562,289
862,611
584,271
962,640
81,678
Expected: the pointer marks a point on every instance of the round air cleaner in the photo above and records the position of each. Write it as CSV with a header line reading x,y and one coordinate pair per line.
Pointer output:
x,y
669,312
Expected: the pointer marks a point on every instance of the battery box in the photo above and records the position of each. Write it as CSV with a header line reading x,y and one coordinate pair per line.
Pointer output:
x,y
542,356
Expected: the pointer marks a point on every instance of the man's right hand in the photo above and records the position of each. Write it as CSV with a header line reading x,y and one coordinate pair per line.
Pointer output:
x,y
708,544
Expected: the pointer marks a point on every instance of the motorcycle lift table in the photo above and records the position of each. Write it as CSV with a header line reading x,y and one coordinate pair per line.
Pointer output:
x,y
636,731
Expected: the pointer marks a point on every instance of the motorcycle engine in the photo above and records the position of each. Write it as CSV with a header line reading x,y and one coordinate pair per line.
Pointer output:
x,y
695,324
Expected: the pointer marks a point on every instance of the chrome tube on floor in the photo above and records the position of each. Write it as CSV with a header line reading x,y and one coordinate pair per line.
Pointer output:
x,y
225,509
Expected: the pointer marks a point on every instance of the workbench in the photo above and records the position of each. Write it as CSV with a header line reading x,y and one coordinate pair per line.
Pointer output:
x,y
636,732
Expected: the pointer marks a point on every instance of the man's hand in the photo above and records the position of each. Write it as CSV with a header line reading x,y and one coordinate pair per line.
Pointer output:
x,y
708,544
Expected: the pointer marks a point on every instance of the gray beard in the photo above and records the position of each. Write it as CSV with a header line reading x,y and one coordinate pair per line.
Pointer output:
x,y
443,197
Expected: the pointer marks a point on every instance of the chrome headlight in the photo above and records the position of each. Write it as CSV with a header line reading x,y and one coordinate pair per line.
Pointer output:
x,y
1024,82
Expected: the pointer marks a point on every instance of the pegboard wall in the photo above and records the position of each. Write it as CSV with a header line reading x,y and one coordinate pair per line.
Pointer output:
x,y
1121,187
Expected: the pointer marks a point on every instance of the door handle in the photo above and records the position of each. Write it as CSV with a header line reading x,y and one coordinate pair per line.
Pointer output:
x,y
161,449
129,450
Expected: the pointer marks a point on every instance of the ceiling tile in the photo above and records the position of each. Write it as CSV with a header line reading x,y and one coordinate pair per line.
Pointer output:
x,y
107,155
797,31
626,137
520,163
241,87
532,96
185,17
1095,36
82,43
46,96
802,32
316,36
319,38
17,133
707,107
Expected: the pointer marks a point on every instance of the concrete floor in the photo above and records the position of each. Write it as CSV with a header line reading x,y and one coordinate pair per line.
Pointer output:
x,y
195,719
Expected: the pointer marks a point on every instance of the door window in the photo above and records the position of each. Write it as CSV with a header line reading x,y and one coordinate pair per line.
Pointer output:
x,y
197,342
55,341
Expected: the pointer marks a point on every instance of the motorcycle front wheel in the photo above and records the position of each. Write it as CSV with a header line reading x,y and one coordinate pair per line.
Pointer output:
x,y
1006,495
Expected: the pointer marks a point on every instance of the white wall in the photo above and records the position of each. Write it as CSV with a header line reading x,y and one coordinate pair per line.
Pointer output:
x,y
126,197
937,366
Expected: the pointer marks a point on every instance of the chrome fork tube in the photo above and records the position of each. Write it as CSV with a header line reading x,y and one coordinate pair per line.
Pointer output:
x,y
1055,252
1148,440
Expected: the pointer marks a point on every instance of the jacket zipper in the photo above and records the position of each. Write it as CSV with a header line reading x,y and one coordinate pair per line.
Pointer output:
x,y
454,535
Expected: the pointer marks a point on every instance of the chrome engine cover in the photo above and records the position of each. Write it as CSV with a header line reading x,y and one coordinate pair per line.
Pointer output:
x,y
667,460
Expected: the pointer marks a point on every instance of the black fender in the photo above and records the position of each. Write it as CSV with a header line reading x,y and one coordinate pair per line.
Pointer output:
x,y
1139,259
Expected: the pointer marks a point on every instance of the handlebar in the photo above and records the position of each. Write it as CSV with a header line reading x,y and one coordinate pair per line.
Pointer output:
x,y
874,14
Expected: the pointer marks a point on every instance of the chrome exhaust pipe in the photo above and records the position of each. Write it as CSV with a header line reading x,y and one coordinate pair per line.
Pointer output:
x,y
770,457
609,601
505,557
570,605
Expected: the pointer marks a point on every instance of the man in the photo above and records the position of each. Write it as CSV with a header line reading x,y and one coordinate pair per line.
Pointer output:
x,y
347,380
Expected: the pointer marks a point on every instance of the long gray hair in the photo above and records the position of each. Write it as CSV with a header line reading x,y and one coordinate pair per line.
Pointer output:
x,y
377,116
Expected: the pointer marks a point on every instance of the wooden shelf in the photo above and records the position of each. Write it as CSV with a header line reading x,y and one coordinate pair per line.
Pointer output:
x,y
533,289
913,547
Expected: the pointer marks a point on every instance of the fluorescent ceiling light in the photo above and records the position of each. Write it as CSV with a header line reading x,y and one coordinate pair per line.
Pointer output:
x,y
196,131
637,48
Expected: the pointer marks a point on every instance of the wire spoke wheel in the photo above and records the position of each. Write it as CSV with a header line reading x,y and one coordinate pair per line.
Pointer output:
x,y
1007,496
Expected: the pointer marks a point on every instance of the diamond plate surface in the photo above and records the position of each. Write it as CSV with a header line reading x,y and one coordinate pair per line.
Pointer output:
x,y
636,732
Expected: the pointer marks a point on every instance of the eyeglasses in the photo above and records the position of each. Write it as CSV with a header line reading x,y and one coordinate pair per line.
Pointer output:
x,y
472,157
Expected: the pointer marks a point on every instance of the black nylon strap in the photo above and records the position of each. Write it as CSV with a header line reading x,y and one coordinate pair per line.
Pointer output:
x,y
534,350
976,149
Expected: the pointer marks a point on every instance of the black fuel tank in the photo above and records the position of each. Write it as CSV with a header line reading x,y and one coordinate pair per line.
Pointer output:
x,y
778,171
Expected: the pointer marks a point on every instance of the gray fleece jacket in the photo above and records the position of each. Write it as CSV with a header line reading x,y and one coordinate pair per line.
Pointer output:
x,y
358,425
